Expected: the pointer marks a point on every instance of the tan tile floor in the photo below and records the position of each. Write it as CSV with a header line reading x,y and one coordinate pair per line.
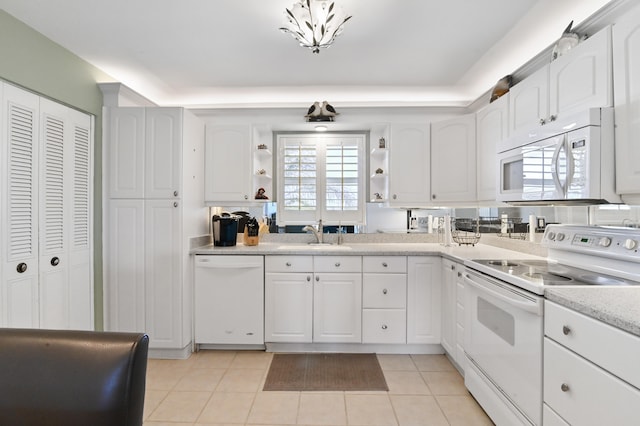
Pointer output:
x,y
225,388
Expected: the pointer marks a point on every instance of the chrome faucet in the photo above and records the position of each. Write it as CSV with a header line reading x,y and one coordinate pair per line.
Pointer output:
x,y
317,232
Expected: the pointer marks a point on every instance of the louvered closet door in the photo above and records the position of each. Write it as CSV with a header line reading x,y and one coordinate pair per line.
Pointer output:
x,y
19,298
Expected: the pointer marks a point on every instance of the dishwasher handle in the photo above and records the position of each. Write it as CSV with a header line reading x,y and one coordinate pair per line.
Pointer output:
x,y
228,262
533,306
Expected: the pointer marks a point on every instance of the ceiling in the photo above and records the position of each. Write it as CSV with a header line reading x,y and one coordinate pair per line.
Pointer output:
x,y
230,53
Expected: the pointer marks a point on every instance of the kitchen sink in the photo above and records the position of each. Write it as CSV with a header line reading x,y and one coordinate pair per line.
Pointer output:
x,y
314,246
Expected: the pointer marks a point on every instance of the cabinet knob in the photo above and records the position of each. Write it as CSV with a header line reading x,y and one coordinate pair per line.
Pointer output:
x,y
21,268
433,197
308,278
542,122
385,291
453,267
552,117
384,326
566,330
459,274
175,193
246,197
337,264
55,261
317,278
175,204
288,263
394,196
564,387
384,264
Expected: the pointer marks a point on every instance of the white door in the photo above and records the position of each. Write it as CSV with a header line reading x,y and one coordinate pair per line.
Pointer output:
x,y
288,307
163,152
125,152
423,299
626,58
228,164
124,257
529,103
19,157
582,78
337,308
492,125
453,160
163,272
409,164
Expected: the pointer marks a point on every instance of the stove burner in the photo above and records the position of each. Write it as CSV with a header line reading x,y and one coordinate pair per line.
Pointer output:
x,y
502,263
602,280
546,277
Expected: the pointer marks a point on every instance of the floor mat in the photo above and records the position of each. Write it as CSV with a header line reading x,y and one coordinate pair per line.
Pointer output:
x,y
325,372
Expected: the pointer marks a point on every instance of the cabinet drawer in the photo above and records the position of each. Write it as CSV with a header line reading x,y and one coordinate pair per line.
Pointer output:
x,y
384,291
584,394
384,326
593,340
391,264
337,264
288,263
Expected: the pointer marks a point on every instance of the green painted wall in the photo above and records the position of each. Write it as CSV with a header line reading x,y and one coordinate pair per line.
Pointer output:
x,y
30,60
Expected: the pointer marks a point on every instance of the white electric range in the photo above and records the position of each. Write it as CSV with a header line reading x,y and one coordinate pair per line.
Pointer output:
x,y
504,312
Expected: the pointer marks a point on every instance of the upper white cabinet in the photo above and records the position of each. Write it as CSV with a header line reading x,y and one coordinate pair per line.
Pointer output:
x,y
579,80
155,163
409,161
228,154
46,173
453,160
626,61
492,126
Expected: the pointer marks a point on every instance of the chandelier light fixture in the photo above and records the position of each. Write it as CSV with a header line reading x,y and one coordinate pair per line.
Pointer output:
x,y
315,23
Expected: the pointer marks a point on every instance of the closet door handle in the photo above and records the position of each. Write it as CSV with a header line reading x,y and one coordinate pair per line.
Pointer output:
x,y
55,261
21,268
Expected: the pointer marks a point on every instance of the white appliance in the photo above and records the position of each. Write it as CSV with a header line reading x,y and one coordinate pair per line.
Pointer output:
x,y
567,162
504,312
229,300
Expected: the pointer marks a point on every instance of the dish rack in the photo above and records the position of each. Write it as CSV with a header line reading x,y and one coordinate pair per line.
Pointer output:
x,y
461,234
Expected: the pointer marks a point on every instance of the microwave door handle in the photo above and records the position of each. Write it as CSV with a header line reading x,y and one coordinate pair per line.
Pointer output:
x,y
554,167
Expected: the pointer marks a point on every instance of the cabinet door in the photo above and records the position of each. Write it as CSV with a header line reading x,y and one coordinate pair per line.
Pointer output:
x,y
453,160
529,103
228,172
492,125
582,78
423,299
125,152
337,308
409,165
163,273
288,307
163,153
19,201
448,306
124,266
626,58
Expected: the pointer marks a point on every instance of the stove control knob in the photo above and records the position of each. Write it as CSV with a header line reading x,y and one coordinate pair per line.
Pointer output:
x,y
630,244
604,242
551,236
560,236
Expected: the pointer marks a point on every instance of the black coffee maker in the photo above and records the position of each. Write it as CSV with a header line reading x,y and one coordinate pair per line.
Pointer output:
x,y
225,229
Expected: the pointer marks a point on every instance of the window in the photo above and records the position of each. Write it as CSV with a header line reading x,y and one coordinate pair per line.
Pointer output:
x,y
321,177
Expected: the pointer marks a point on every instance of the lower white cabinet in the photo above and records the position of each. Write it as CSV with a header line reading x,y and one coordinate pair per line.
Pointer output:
x,y
585,382
453,310
288,307
337,307
423,299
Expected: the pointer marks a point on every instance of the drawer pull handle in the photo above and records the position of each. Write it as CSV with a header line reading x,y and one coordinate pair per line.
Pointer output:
x,y
337,264
384,264
384,326
385,291
564,387
566,330
288,263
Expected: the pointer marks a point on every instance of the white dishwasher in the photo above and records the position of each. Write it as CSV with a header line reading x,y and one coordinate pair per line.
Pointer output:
x,y
229,300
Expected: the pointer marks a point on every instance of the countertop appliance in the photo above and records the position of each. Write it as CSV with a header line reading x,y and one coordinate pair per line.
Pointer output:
x,y
225,229
504,311
569,161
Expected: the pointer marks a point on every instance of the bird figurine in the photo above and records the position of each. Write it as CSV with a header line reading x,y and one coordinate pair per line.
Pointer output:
x,y
501,87
314,110
567,41
328,110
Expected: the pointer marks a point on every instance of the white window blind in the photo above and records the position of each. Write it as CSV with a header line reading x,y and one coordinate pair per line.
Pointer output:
x,y
321,177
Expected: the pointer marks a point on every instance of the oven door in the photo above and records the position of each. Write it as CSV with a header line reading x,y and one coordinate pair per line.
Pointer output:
x,y
503,341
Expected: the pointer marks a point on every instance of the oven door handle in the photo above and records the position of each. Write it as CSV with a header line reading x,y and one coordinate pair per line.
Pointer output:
x,y
529,306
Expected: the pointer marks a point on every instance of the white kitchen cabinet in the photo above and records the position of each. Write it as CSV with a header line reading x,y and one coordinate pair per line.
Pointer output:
x,y
288,305
228,174
492,126
147,269
229,300
453,160
337,307
46,171
424,299
578,80
409,165
626,68
582,373
459,350
449,301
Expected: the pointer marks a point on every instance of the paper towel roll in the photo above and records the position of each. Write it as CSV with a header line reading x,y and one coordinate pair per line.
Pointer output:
x,y
532,227
447,231
430,224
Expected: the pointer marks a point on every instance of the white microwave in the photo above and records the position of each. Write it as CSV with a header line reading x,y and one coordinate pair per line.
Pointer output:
x,y
571,162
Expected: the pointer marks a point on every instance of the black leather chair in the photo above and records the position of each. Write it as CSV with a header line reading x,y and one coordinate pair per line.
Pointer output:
x,y
56,377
